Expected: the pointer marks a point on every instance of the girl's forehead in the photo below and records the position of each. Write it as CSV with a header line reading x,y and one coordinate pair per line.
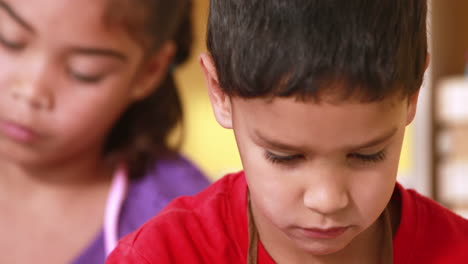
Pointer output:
x,y
69,22
59,12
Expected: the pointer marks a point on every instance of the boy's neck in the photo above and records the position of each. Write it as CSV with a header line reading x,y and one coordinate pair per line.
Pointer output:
x,y
394,208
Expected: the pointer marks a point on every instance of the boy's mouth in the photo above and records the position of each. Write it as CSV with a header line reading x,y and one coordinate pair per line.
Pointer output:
x,y
324,233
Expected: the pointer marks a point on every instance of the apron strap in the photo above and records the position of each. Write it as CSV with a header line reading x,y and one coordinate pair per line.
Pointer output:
x,y
252,253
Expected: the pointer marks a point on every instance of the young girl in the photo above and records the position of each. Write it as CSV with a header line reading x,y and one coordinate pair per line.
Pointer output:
x,y
86,108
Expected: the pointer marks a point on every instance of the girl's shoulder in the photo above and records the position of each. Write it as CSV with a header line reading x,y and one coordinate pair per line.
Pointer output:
x,y
210,227
174,176
168,179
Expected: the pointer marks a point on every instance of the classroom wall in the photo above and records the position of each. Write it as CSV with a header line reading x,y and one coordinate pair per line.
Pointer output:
x,y
206,143
449,59
213,148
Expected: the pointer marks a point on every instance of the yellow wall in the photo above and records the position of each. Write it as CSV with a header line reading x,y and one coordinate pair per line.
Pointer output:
x,y
406,160
206,143
210,146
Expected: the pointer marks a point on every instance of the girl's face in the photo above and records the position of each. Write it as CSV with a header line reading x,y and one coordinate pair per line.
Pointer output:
x,y
65,78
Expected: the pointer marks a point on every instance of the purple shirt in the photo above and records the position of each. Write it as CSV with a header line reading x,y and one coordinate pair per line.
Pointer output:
x,y
146,196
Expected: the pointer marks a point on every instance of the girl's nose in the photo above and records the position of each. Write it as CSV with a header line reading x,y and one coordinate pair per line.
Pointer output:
x,y
32,92
32,85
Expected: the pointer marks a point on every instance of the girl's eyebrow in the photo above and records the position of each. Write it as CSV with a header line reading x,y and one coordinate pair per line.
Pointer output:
x,y
103,52
15,16
80,50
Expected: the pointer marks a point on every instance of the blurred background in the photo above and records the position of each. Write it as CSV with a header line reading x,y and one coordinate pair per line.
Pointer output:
x,y
435,154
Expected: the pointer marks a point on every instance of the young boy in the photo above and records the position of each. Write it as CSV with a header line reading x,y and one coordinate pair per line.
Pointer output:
x,y
318,94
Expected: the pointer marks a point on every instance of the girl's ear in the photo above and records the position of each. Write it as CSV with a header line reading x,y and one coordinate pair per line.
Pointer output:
x,y
220,101
153,71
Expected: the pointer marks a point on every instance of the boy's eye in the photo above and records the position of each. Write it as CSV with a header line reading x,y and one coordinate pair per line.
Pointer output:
x,y
282,159
376,157
86,78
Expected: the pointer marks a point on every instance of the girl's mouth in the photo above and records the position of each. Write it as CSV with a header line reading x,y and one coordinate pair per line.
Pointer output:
x,y
18,132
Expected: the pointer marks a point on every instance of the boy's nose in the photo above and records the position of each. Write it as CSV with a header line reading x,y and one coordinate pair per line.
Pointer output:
x,y
326,198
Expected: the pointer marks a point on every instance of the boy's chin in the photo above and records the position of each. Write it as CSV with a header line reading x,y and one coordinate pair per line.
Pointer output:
x,y
323,248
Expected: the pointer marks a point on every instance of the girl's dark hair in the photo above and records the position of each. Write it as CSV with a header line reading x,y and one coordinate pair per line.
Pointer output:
x,y
141,134
265,48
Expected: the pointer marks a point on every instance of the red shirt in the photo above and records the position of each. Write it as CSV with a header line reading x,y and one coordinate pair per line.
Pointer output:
x,y
211,227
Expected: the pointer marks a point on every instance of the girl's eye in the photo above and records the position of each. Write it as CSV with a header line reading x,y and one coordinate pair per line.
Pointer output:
x,y
86,78
12,45
372,158
280,159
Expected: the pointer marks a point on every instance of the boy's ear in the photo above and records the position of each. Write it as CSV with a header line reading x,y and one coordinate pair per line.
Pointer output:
x,y
412,106
220,101
413,99
154,71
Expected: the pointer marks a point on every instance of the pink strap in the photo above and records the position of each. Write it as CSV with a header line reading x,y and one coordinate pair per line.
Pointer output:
x,y
114,203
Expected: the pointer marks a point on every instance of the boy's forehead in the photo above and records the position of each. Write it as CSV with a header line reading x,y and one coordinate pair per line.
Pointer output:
x,y
292,112
322,103
317,125
340,93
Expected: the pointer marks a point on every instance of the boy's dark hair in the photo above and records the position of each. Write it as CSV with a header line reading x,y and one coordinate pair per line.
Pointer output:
x,y
141,134
265,48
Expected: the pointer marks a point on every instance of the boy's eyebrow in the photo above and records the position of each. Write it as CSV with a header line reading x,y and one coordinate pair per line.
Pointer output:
x,y
283,146
15,16
274,144
90,51
378,140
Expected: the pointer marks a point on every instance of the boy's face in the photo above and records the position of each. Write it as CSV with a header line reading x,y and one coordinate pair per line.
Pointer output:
x,y
319,174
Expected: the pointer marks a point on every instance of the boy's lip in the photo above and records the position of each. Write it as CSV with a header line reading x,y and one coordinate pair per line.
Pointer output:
x,y
18,132
325,233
